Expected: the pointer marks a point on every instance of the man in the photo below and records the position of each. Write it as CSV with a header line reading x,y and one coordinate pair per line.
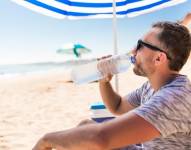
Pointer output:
x,y
157,114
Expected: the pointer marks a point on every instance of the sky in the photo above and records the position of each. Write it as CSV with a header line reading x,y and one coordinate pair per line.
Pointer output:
x,y
27,36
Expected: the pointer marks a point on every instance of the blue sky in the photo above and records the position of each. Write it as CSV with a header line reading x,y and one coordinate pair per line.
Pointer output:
x,y
27,36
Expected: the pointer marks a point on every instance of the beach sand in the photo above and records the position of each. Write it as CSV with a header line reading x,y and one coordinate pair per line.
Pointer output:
x,y
32,105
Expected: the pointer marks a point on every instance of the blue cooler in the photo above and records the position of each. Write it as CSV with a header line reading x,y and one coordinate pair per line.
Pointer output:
x,y
99,113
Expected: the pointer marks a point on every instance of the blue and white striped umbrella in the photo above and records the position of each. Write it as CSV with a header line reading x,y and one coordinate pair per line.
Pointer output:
x,y
76,9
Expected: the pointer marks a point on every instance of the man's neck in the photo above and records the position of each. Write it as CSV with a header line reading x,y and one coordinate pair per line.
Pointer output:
x,y
158,80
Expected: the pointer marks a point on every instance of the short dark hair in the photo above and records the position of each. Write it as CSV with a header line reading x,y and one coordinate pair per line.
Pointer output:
x,y
176,39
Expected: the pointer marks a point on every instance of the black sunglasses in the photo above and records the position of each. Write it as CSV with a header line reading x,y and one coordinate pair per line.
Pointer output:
x,y
141,43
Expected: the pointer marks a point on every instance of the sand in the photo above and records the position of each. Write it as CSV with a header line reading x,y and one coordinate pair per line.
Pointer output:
x,y
35,104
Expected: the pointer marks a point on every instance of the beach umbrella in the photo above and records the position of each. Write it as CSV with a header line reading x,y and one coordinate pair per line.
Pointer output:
x,y
80,9
73,49
76,9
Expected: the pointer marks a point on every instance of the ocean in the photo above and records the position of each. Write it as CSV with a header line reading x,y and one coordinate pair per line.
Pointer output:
x,y
20,69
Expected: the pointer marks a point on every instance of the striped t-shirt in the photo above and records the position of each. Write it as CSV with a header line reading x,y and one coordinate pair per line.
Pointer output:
x,y
168,110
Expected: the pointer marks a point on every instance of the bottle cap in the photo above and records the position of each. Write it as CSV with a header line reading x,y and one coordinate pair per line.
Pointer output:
x,y
133,60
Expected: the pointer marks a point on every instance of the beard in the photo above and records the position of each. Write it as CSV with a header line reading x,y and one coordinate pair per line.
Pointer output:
x,y
139,71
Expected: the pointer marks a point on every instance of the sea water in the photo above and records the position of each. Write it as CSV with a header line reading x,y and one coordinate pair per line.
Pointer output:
x,y
38,67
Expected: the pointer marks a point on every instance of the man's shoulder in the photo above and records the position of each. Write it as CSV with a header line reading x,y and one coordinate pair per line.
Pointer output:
x,y
180,83
176,91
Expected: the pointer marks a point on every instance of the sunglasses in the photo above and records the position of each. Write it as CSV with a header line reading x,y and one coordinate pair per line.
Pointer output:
x,y
141,43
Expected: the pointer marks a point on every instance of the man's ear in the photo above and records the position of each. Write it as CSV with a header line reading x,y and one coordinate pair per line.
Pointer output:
x,y
160,58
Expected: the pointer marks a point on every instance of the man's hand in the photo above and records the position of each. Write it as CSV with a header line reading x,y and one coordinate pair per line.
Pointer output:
x,y
107,67
46,143
186,20
106,79
42,145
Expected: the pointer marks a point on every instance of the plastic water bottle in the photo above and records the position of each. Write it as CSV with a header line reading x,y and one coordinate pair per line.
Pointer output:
x,y
89,72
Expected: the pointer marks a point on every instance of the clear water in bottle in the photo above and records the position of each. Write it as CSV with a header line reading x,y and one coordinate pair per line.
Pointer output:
x,y
89,72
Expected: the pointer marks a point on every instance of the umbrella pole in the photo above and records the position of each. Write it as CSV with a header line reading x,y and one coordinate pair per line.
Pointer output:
x,y
115,47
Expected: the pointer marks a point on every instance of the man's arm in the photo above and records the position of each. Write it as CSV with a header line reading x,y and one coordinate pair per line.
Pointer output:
x,y
84,137
122,131
114,102
128,129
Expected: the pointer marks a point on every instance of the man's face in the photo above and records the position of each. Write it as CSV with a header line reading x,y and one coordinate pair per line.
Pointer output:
x,y
146,53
